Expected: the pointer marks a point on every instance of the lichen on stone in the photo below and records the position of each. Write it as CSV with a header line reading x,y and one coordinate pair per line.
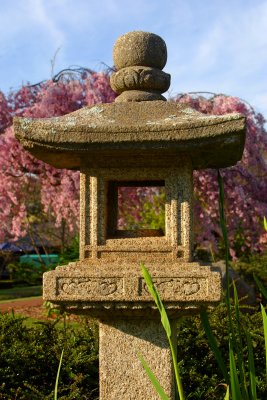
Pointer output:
x,y
25,123
94,110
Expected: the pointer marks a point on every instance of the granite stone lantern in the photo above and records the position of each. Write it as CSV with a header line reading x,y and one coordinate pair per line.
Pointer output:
x,y
140,140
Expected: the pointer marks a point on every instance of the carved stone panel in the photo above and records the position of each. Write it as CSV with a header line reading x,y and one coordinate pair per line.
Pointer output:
x,y
87,288
130,288
184,288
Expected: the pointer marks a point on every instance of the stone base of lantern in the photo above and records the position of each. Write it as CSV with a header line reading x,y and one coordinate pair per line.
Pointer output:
x,y
122,376
111,290
117,295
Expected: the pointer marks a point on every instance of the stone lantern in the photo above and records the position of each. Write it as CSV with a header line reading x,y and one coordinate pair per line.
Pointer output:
x,y
140,140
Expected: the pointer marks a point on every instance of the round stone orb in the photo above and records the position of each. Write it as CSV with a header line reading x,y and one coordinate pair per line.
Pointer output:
x,y
140,48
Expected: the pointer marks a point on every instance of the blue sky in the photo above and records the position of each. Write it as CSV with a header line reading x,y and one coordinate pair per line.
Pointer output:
x,y
213,45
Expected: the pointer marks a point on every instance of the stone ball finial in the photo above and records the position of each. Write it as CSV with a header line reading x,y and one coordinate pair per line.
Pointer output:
x,y
139,58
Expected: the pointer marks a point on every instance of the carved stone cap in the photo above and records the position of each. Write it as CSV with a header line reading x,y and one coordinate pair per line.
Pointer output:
x,y
139,58
134,134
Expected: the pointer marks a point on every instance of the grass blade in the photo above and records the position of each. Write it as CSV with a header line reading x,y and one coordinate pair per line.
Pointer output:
x,y
262,288
166,325
226,245
152,378
58,373
227,396
213,344
264,319
237,341
154,293
235,389
251,368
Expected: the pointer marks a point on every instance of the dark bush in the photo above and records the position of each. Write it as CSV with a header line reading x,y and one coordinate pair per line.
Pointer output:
x,y
29,358
255,264
201,375
6,284
26,273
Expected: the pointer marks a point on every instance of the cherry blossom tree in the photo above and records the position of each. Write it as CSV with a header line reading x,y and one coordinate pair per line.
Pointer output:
x,y
245,183
34,195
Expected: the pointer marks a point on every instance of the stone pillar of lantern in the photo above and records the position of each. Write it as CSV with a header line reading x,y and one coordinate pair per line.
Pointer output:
x,y
140,140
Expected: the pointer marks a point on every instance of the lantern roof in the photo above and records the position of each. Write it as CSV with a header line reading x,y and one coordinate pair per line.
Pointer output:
x,y
140,128
127,130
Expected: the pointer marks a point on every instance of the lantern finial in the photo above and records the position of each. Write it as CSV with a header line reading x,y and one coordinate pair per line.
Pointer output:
x,y
139,58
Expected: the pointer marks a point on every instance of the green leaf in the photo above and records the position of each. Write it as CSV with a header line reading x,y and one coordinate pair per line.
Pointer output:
x,y
58,373
226,244
251,368
237,341
262,288
265,223
264,318
213,344
166,325
154,293
227,396
235,388
152,378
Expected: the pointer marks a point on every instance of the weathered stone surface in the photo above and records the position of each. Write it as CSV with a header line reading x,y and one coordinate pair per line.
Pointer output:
x,y
133,134
122,376
140,48
139,95
108,289
98,235
136,78
139,58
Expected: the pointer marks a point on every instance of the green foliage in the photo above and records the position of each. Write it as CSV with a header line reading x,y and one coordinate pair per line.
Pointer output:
x,y
6,284
199,368
255,265
167,327
58,374
242,373
70,253
153,213
20,292
213,344
27,273
29,360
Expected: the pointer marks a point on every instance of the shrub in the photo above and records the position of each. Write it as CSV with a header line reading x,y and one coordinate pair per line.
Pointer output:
x,y
30,357
254,265
199,370
25,273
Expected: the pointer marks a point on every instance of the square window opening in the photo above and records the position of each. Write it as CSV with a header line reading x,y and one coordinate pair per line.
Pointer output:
x,y
136,209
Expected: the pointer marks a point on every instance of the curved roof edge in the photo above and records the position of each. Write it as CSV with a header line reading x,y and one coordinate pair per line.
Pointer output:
x,y
158,129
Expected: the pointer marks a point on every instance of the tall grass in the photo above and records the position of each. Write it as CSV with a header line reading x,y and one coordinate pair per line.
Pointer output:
x,y
167,327
243,382
58,374
239,370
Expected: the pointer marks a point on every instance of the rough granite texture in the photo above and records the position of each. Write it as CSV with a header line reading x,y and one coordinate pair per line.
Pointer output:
x,y
134,142
99,238
119,342
139,58
112,289
140,48
148,133
134,78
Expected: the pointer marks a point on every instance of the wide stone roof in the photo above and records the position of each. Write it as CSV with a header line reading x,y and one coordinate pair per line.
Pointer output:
x,y
146,133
